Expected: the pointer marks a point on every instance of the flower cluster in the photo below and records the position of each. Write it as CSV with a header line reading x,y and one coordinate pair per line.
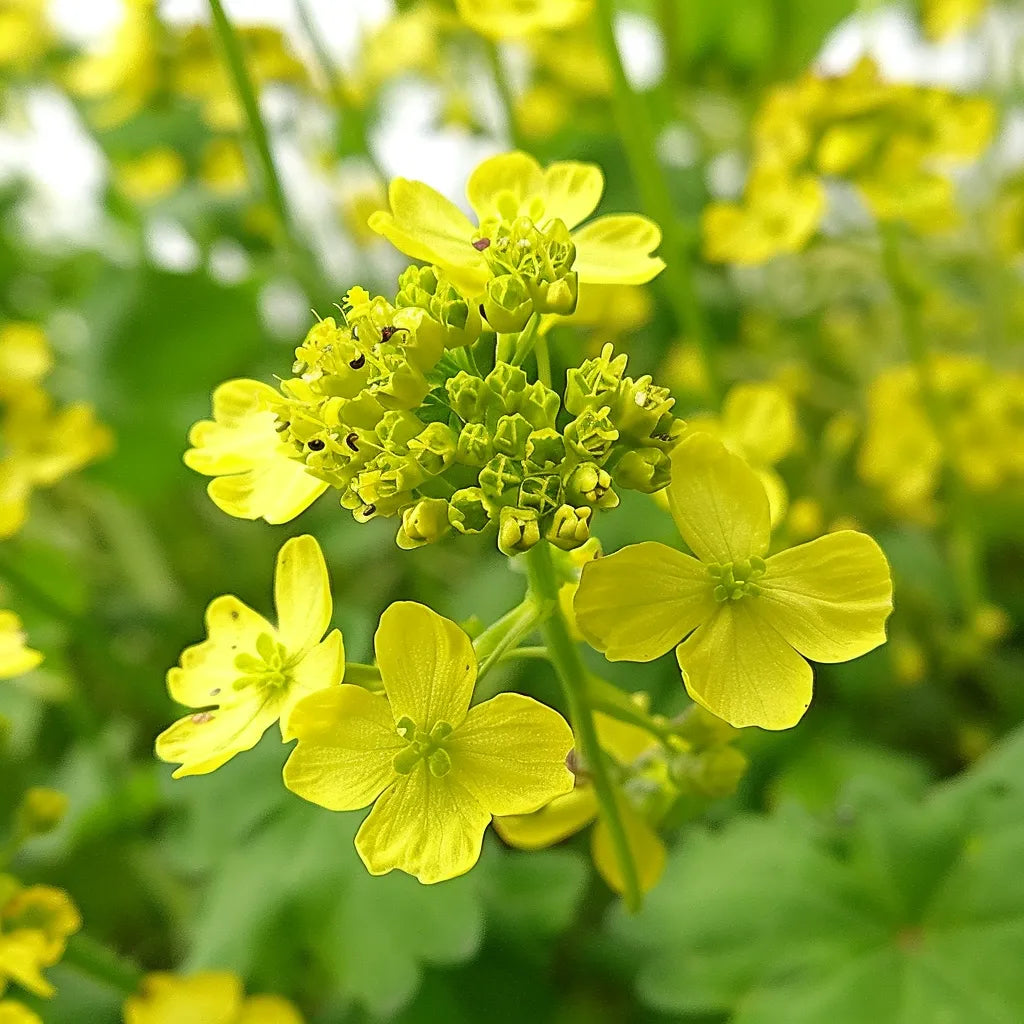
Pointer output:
x,y
206,997
39,443
982,412
891,141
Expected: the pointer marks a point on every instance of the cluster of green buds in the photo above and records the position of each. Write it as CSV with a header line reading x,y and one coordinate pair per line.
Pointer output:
x,y
530,271
706,765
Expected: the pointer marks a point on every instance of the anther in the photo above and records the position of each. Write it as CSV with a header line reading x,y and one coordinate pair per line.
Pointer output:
x,y
357,363
481,243
351,439
316,445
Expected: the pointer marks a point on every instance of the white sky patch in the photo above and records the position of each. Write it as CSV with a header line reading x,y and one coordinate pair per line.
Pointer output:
x,y
642,50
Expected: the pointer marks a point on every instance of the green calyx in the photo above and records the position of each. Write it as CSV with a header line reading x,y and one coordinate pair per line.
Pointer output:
x,y
734,580
270,668
423,746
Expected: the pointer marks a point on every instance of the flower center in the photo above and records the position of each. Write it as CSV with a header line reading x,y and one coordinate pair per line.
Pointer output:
x,y
423,746
733,580
270,668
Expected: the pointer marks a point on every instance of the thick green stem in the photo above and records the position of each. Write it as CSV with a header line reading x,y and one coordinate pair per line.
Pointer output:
x,y
508,102
962,541
96,961
636,129
495,642
257,129
565,656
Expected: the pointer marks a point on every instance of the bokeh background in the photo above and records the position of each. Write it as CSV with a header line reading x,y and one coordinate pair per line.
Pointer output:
x,y
867,869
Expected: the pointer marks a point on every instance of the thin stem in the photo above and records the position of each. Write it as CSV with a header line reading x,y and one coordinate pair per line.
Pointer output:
x,y
508,102
526,340
611,701
543,354
93,959
636,129
527,654
962,541
257,129
366,676
495,642
565,656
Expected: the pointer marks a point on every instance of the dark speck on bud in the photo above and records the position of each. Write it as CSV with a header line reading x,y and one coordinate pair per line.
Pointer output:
x,y
351,439
387,333
481,243
357,363
316,445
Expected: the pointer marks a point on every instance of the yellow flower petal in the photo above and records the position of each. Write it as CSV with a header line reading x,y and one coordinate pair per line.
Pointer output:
x,y
510,754
558,820
22,957
347,743
202,742
276,490
638,603
572,191
743,671
617,250
15,657
759,422
645,844
211,997
427,664
322,667
426,226
268,1010
717,501
302,594
15,491
208,669
830,597
501,185
15,1013
425,826
499,19
623,741
45,911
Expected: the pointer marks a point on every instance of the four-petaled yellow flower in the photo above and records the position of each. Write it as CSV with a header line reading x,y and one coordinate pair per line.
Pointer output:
x,y
210,997
35,922
743,623
249,674
566,815
434,769
254,477
523,210
15,657
501,19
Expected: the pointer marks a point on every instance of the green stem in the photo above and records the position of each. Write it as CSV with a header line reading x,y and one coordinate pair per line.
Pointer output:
x,y
93,959
495,642
543,354
527,654
611,701
257,129
508,102
962,540
565,656
366,676
636,129
526,340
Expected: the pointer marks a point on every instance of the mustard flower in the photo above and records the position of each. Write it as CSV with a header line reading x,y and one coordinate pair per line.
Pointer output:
x,y
255,478
209,997
15,657
434,769
35,922
250,674
566,815
25,357
499,19
17,1013
742,624
525,214
152,175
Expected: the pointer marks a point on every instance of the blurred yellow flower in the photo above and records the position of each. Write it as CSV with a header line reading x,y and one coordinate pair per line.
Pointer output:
x,y
254,476
25,33
513,19
15,657
35,923
249,674
16,1013
943,18
742,624
209,997
152,175
223,169
525,215
25,357
434,769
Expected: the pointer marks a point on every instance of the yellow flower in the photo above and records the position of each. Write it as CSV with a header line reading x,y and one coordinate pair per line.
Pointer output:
x,y
241,448
502,19
35,923
250,674
434,769
565,815
25,33
25,357
522,209
223,170
151,175
210,997
743,623
779,214
944,17
15,657
758,423
16,1013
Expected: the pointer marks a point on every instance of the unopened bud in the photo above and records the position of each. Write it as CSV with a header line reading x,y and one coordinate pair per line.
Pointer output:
x,y
41,810
570,527
518,530
423,523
